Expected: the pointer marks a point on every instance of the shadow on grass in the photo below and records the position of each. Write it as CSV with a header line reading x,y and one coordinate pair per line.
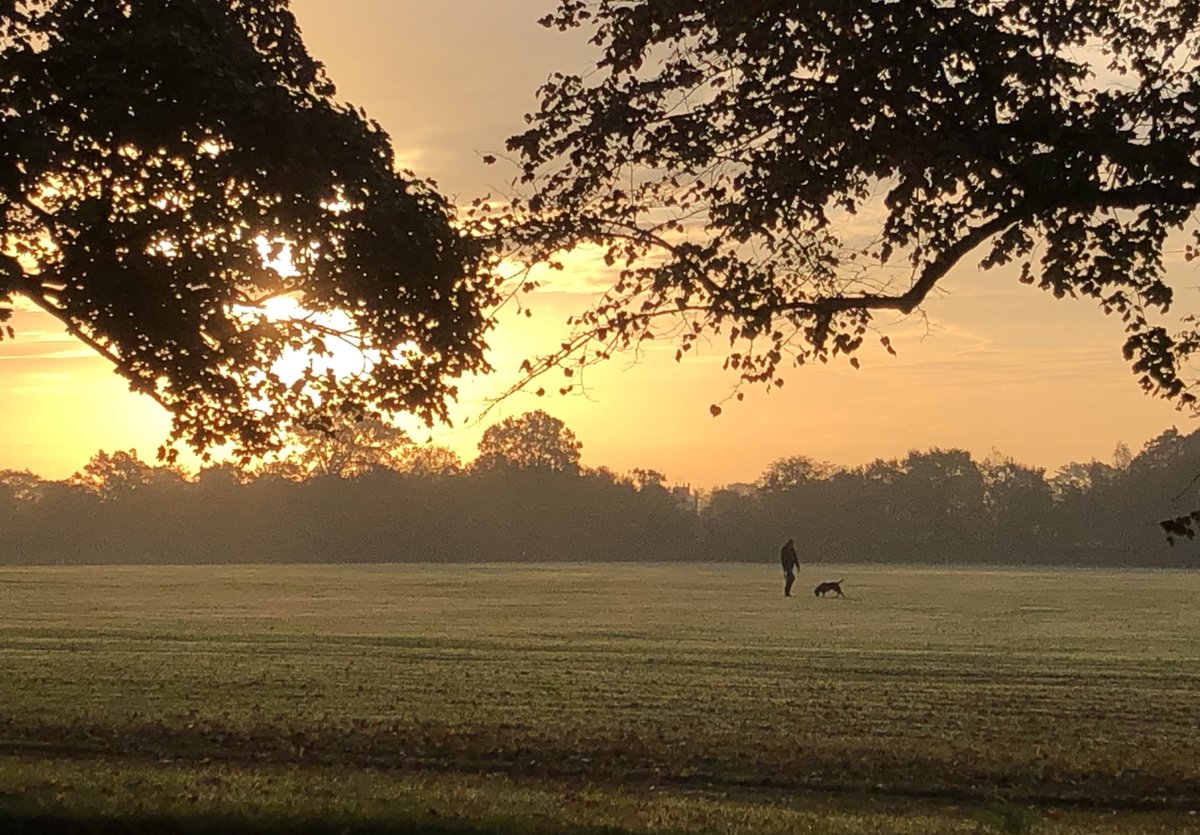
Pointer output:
x,y
39,823
520,754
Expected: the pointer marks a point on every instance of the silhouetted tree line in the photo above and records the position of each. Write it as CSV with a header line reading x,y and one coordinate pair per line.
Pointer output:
x,y
362,493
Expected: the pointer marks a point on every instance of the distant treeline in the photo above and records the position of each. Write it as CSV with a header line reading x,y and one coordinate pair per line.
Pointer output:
x,y
937,506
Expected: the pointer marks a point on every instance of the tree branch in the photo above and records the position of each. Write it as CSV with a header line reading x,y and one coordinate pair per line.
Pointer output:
x,y
33,291
932,273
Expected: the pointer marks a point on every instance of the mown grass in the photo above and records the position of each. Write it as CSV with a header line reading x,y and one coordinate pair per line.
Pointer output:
x,y
597,698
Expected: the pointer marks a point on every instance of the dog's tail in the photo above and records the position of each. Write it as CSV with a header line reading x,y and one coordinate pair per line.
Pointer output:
x,y
842,580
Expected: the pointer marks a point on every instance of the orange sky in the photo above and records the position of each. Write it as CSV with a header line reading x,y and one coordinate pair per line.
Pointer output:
x,y
997,365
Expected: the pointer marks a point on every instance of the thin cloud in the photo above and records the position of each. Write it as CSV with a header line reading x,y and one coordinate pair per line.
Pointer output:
x,y
49,376
74,352
37,336
37,389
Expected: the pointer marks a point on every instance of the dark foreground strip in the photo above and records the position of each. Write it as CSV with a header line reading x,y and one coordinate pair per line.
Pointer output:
x,y
12,823
629,762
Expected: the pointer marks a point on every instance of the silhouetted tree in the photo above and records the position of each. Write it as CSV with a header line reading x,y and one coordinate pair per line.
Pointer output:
x,y
342,445
534,440
1165,472
733,528
226,474
1019,503
1122,456
1078,478
155,153
932,506
22,486
61,527
642,478
429,460
792,471
111,475
1166,450
20,492
943,497
717,151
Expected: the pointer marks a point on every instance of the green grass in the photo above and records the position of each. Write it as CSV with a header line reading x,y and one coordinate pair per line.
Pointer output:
x,y
597,698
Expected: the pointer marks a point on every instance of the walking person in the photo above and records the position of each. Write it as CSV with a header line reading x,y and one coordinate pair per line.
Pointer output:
x,y
791,562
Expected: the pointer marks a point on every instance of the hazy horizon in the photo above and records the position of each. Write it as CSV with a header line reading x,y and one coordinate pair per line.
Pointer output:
x,y
192,466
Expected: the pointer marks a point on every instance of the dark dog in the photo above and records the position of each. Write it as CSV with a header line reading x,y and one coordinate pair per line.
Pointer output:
x,y
824,588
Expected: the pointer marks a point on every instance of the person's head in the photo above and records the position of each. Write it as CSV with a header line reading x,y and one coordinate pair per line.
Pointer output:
x,y
791,542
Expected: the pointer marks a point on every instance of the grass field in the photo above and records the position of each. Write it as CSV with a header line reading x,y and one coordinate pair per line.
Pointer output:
x,y
597,698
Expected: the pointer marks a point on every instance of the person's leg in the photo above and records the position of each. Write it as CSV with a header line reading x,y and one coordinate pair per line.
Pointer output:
x,y
789,578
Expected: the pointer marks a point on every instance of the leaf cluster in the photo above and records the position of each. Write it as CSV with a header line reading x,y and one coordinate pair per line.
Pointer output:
x,y
157,155
778,174
531,441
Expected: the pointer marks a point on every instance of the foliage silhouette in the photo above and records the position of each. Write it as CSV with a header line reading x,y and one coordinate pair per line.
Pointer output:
x,y
936,506
1018,501
343,445
777,174
534,440
790,472
110,475
156,154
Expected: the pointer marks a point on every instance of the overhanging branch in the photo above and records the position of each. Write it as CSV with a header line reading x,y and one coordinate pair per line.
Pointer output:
x,y
31,290
908,301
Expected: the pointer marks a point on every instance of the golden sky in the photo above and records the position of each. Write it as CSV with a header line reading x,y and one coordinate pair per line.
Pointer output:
x,y
995,365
